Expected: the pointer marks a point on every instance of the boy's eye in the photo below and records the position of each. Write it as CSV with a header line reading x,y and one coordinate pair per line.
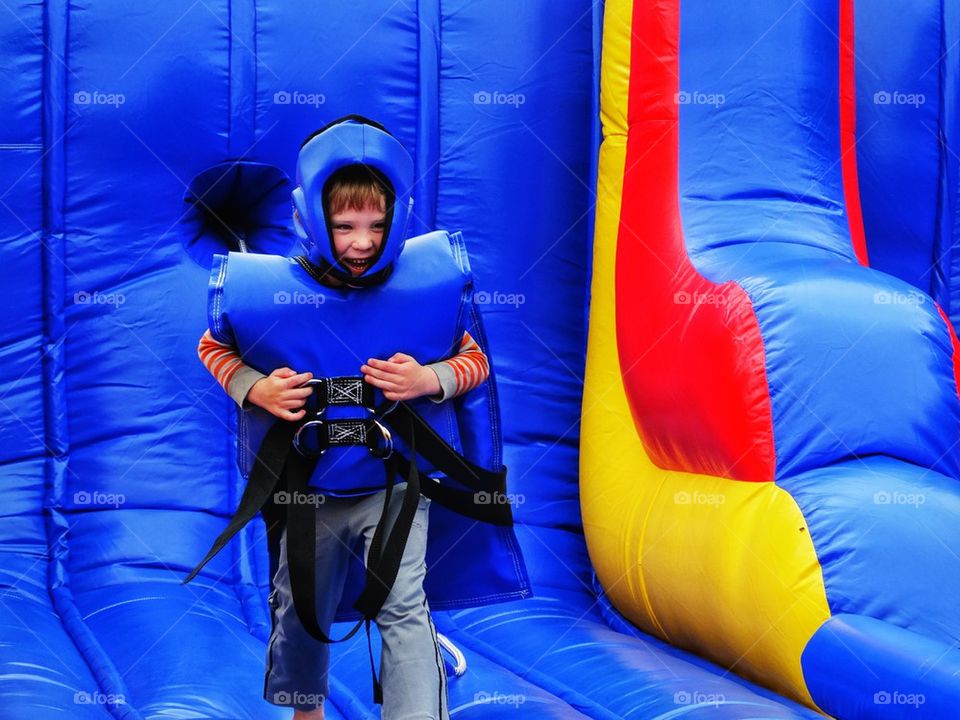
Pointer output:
x,y
341,226
379,226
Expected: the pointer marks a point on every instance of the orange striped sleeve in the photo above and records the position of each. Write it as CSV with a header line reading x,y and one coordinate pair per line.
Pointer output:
x,y
470,365
222,361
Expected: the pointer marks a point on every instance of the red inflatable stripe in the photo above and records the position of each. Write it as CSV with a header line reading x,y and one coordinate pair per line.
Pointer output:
x,y
691,352
848,131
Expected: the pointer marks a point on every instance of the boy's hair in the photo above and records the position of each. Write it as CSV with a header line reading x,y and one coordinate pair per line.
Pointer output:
x,y
355,187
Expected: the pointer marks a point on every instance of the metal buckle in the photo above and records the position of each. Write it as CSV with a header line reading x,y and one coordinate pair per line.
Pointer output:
x,y
385,434
319,424
381,450
316,410
313,410
387,451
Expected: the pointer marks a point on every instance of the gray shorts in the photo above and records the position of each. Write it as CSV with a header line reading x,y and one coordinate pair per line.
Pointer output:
x,y
411,668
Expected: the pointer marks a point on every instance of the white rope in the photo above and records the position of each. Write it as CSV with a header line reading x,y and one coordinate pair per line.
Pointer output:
x,y
460,666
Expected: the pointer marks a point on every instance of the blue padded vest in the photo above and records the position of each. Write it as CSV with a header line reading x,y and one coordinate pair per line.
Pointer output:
x,y
277,315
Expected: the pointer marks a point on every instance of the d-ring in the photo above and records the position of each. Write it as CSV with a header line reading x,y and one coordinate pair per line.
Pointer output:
x,y
316,411
296,439
387,443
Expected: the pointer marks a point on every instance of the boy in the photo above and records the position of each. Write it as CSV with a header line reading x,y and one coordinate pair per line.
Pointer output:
x,y
413,676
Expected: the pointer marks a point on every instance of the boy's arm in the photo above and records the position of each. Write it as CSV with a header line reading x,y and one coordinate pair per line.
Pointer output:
x,y
224,363
458,374
462,372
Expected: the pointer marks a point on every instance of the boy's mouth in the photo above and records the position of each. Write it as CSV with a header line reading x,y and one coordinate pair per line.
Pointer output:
x,y
357,265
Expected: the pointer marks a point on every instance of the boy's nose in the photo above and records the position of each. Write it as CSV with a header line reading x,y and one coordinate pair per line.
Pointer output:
x,y
363,241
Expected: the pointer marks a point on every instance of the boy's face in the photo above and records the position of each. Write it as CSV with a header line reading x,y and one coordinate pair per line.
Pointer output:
x,y
357,235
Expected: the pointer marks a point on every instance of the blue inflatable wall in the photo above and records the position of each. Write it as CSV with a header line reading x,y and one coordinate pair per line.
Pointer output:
x,y
908,136
139,140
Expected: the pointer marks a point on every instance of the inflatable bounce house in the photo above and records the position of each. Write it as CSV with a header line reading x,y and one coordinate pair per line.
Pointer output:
x,y
713,243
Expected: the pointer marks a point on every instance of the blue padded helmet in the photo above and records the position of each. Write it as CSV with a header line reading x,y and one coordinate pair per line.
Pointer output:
x,y
352,140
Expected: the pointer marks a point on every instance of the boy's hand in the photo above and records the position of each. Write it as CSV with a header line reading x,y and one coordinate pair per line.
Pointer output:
x,y
280,393
400,377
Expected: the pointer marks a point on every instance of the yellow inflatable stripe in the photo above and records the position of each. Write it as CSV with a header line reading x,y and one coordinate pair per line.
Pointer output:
x,y
721,567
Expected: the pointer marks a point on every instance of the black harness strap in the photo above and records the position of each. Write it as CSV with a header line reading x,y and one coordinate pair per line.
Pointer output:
x,y
383,561
489,507
488,501
383,558
302,549
260,486
343,390
406,422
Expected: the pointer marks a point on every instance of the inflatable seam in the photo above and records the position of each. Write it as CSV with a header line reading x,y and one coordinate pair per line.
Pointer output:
x,y
215,304
56,441
427,151
941,251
